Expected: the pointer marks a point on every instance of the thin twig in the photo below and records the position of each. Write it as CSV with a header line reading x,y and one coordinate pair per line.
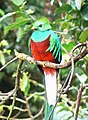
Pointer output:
x,y
66,81
40,112
9,95
79,96
5,118
36,83
4,97
11,61
80,45
16,86
28,108
17,114
71,76
6,94
35,93
78,102
16,108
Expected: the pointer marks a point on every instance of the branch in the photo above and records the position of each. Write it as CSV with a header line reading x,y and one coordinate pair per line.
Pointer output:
x,y
5,118
28,108
11,61
83,53
35,93
7,97
79,96
16,86
40,112
23,56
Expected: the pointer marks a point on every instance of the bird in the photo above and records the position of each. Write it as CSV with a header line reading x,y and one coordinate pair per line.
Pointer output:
x,y
45,45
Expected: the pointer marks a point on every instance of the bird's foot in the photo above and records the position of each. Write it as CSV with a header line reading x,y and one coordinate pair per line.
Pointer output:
x,y
44,64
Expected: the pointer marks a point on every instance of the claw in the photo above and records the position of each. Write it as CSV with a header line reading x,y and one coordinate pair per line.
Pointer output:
x,y
43,64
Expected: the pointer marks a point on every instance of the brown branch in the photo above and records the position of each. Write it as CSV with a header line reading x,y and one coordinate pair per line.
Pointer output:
x,y
16,87
53,65
70,78
5,118
79,45
11,61
28,108
3,99
50,64
79,96
40,112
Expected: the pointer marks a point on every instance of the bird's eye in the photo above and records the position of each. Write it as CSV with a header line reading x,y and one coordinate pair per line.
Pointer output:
x,y
40,25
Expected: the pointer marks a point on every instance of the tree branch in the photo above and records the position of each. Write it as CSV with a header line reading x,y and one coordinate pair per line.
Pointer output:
x,y
16,86
53,65
4,99
28,108
11,61
79,96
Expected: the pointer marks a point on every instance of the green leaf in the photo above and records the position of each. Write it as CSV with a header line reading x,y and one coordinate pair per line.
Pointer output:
x,y
23,32
78,4
84,35
1,108
64,8
25,83
19,22
84,12
2,12
17,2
65,24
4,43
6,51
2,58
69,46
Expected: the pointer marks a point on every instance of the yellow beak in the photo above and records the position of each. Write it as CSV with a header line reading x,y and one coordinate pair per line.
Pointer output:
x,y
33,28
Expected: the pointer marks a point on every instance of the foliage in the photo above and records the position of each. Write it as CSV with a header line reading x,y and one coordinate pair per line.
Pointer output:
x,y
70,22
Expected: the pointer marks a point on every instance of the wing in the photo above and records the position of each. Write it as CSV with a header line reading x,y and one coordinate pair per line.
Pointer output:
x,y
55,47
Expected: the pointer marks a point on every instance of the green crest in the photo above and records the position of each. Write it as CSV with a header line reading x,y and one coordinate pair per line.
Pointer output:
x,y
42,24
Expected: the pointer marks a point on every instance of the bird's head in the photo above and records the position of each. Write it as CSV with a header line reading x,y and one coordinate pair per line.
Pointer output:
x,y
42,24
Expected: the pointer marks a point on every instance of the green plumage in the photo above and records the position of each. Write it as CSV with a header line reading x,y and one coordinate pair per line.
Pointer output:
x,y
48,110
54,47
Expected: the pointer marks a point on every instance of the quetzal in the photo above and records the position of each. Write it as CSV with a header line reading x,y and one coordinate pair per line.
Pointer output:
x,y
45,46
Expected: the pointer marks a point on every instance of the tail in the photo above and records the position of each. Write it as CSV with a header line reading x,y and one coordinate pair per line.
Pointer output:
x,y
51,93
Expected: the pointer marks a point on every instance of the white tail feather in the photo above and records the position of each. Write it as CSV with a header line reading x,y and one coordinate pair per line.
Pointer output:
x,y
51,88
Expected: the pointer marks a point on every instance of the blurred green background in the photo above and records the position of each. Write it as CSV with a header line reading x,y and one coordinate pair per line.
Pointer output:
x,y
69,18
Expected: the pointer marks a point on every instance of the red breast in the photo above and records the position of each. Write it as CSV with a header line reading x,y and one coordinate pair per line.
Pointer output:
x,y
39,52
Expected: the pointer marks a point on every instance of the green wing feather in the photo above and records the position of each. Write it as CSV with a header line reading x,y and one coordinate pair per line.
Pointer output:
x,y
55,47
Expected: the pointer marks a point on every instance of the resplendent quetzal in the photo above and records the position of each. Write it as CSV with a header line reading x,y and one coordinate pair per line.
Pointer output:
x,y
45,46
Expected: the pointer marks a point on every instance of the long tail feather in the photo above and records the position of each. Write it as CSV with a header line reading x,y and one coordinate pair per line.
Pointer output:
x,y
51,93
48,110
